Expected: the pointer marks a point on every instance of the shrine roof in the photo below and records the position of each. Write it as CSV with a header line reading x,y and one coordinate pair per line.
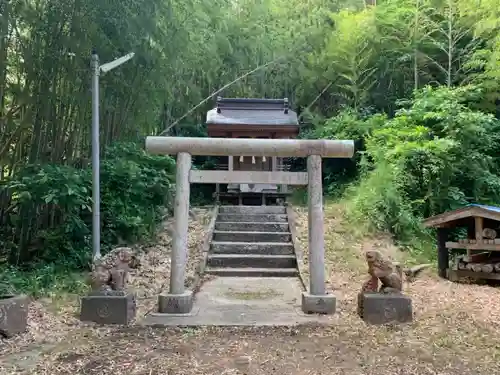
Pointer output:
x,y
457,217
249,111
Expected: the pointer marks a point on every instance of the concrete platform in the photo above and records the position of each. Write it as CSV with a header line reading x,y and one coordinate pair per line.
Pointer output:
x,y
243,301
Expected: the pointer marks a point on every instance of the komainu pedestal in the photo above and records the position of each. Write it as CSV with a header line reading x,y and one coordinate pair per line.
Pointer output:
x,y
380,308
381,299
109,302
13,315
109,307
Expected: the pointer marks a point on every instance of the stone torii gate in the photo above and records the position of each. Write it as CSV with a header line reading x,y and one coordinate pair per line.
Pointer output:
x,y
178,299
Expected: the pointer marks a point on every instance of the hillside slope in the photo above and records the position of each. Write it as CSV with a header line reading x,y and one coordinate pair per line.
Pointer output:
x,y
454,330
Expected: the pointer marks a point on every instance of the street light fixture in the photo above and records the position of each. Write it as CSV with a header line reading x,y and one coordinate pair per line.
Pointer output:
x,y
96,206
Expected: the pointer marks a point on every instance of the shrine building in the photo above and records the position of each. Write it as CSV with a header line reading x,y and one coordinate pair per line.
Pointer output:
x,y
252,118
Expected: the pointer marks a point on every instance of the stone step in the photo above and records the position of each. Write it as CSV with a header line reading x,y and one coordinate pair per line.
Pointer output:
x,y
252,210
243,226
252,236
252,272
252,261
275,218
271,248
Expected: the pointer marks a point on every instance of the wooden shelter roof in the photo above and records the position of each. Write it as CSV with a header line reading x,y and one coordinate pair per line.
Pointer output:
x,y
253,112
460,216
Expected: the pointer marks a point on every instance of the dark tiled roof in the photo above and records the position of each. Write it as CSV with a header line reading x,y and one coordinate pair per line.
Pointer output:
x,y
243,111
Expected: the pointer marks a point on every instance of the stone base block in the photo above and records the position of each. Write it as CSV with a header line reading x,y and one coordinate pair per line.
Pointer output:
x,y
175,303
108,308
13,315
380,308
314,304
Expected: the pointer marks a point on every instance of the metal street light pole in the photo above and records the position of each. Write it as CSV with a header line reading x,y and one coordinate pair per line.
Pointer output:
x,y
96,198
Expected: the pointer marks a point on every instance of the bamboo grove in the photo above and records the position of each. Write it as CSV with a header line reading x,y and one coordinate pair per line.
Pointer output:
x,y
375,71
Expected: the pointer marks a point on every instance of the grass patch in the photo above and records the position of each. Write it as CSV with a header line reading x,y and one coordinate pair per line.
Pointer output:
x,y
47,280
347,237
298,196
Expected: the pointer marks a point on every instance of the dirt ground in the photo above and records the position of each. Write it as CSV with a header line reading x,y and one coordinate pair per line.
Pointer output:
x,y
454,331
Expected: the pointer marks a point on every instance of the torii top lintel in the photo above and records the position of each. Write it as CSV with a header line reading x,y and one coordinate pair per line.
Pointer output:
x,y
247,147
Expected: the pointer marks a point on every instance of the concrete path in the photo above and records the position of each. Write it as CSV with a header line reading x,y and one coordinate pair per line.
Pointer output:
x,y
247,301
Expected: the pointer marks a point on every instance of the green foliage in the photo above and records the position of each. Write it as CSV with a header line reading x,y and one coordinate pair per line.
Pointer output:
x,y
45,279
421,148
48,225
373,57
378,200
135,191
436,154
348,124
349,66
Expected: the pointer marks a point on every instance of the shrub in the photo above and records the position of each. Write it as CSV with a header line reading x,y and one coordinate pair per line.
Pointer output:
x,y
47,222
436,155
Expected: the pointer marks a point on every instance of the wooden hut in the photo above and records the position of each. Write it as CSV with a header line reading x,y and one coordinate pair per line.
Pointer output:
x,y
481,245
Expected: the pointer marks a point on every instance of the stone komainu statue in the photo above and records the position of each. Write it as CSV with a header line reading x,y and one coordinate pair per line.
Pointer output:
x,y
385,276
388,273
111,272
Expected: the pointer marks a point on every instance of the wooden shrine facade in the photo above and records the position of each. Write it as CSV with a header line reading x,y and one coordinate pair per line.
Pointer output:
x,y
480,245
252,118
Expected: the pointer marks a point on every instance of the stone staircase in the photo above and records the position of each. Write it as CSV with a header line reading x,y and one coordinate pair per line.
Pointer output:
x,y
252,241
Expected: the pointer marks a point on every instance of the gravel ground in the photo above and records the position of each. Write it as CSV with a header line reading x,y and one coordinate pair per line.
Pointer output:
x,y
52,320
454,331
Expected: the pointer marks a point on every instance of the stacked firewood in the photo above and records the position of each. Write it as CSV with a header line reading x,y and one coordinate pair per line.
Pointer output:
x,y
485,261
479,267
